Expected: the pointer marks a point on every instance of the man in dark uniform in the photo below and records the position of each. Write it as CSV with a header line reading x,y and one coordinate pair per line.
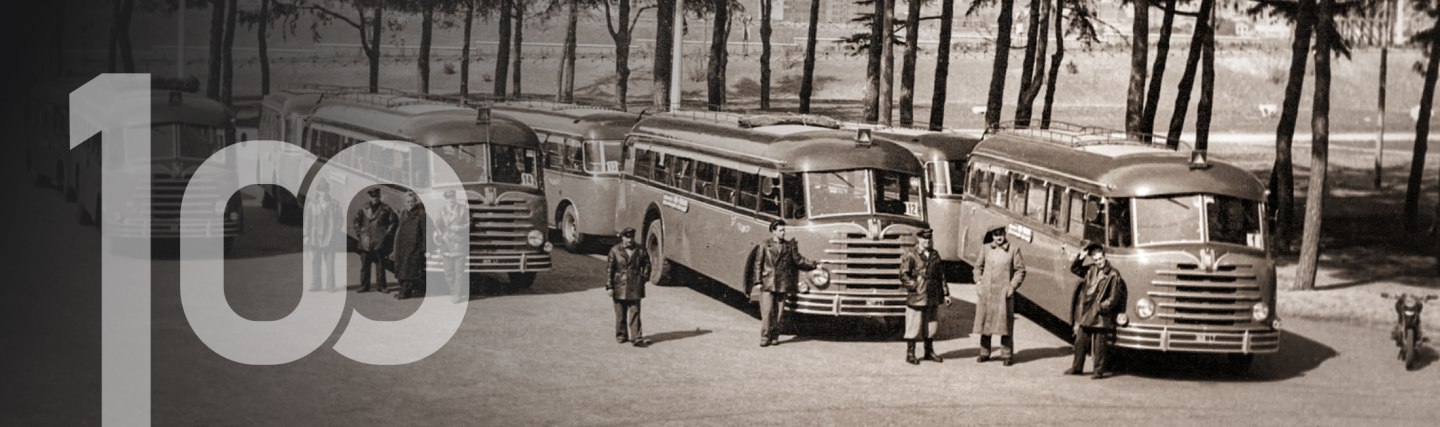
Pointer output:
x,y
1102,296
776,268
409,255
374,229
627,269
924,279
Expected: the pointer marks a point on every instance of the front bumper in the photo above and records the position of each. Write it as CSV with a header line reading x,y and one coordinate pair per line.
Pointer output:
x,y
496,262
1237,340
862,304
173,229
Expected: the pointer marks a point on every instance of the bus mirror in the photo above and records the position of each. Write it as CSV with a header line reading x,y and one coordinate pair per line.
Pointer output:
x,y
482,116
863,137
1198,160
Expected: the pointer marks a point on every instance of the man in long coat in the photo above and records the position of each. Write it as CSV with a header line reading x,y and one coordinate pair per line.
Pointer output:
x,y
374,227
627,269
321,221
409,255
1102,296
452,237
776,270
999,274
924,278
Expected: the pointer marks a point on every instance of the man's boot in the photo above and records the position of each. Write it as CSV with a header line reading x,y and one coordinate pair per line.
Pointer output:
x,y
910,353
930,352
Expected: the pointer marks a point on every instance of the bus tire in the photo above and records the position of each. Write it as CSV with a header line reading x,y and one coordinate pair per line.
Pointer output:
x,y
570,230
522,280
660,273
1239,364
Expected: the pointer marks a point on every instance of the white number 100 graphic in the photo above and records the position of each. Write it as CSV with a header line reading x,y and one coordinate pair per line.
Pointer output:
x,y
117,106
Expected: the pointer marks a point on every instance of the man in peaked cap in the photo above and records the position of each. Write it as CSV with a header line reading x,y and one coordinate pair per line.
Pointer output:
x,y
999,274
924,278
374,227
1102,297
627,269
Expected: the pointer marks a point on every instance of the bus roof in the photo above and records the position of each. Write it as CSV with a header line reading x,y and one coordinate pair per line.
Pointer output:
x,y
931,146
589,123
187,108
423,122
790,147
1120,170
293,101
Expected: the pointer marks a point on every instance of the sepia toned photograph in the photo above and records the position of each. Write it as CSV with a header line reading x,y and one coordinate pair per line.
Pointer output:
x,y
721,212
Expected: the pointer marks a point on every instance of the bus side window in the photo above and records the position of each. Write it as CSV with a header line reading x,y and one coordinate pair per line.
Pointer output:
x,y
1119,218
931,175
552,150
662,168
1035,203
794,192
729,181
1019,189
574,155
1002,189
1055,217
956,171
770,195
684,173
980,185
1077,214
705,179
643,163
749,191
1094,220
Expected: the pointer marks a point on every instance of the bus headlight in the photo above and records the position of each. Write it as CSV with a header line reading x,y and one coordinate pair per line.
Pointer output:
x,y
1122,320
820,277
535,238
1260,311
1145,308
234,216
548,247
1275,324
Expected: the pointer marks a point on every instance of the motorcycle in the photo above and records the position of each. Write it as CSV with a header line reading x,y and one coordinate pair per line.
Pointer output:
x,y
1407,332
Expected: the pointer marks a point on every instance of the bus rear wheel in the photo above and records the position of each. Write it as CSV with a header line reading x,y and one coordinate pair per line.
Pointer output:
x,y
655,246
522,280
570,230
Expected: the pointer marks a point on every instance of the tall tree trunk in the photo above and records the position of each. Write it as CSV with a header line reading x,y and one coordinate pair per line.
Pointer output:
x,y
807,81
872,65
1026,107
664,46
376,24
516,55
217,42
715,77
1282,174
907,67
127,56
465,49
942,66
887,65
427,24
502,49
1055,60
1206,106
567,83
996,99
1027,65
1157,73
622,56
227,56
1139,47
1422,137
765,30
1187,79
1319,150
263,46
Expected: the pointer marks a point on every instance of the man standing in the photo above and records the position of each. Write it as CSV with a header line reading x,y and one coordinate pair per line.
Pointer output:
x,y
776,268
627,269
453,241
999,274
320,224
409,255
374,229
924,279
1102,296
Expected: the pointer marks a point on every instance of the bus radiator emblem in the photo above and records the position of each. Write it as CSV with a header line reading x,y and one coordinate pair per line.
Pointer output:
x,y
1207,259
874,228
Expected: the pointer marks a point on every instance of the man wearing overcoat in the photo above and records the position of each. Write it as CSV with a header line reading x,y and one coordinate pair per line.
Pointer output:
x,y
374,227
409,255
1101,297
627,269
999,274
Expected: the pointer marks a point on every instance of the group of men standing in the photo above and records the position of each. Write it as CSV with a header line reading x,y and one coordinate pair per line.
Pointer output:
x,y
999,273
384,236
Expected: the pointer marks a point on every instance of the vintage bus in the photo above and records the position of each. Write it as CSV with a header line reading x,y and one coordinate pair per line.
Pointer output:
x,y
186,130
582,164
282,118
1187,234
703,187
47,159
496,159
943,155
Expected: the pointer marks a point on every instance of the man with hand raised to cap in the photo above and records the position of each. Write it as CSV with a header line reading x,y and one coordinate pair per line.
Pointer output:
x,y
1101,298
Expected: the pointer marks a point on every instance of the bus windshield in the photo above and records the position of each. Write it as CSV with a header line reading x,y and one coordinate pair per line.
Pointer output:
x,y
480,163
1194,217
863,192
602,156
185,141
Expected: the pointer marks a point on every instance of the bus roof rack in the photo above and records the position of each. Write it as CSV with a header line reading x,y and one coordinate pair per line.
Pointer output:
x,y
1078,136
754,121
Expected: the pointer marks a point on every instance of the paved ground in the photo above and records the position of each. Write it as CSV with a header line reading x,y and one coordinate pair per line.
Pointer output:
x,y
547,356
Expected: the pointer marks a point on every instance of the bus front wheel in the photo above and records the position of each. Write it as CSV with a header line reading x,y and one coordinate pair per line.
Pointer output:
x,y
570,230
522,280
655,245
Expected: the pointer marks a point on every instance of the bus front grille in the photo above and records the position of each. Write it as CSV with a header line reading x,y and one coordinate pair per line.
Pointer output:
x,y
861,262
498,240
1222,296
